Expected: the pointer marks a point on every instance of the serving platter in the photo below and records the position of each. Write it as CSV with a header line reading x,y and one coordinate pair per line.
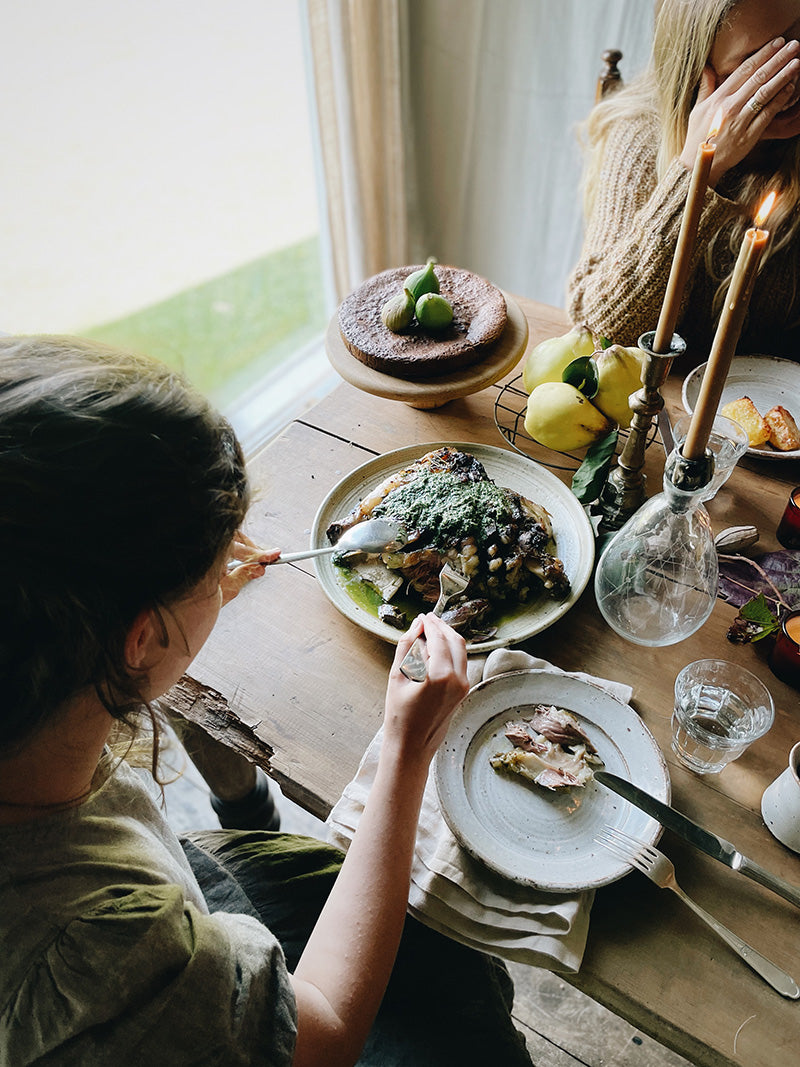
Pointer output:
x,y
573,535
767,380
535,836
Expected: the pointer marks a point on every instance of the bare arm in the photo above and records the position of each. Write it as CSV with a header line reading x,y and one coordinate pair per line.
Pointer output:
x,y
342,974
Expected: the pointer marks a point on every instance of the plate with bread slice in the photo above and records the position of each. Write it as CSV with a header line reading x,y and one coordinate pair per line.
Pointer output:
x,y
762,394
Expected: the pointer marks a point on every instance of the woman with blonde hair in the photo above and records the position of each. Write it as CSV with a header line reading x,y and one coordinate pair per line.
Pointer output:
x,y
742,56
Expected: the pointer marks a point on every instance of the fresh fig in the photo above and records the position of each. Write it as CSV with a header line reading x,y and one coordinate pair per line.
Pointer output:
x,y
433,312
398,311
423,281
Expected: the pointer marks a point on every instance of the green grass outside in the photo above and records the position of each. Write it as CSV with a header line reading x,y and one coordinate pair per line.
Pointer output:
x,y
228,333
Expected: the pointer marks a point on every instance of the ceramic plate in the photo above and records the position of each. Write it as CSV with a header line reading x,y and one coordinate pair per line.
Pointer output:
x,y
767,380
532,835
573,534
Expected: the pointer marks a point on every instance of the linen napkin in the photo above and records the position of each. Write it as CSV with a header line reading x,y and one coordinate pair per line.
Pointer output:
x,y
456,894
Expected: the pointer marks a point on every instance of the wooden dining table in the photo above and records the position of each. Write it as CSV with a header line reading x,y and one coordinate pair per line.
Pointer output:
x,y
295,685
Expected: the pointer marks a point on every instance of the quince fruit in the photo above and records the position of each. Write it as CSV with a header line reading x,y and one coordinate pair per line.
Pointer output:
x,y
619,374
560,417
548,360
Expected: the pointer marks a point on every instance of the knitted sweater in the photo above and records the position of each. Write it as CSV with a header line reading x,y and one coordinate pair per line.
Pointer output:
x,y
619,283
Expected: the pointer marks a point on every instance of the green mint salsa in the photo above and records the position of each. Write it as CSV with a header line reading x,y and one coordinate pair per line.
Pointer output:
x,y
368,598
444,507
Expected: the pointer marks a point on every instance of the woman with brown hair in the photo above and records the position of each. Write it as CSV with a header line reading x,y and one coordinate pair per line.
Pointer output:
x,y
121,496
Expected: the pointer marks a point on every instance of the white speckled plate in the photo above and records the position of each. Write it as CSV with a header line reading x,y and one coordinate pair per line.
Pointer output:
x,y
767,380
532,835
572,530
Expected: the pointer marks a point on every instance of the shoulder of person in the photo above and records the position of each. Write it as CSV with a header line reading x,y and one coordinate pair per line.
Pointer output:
x,y
142,966
635,135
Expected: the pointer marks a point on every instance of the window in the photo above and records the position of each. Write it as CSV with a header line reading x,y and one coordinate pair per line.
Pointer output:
x,y
159,188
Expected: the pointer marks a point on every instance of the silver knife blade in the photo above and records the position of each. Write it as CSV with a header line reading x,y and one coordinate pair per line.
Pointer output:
x,y
716,847
665,429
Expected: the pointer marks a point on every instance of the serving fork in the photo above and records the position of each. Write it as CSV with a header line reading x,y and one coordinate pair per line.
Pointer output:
x,y
660,870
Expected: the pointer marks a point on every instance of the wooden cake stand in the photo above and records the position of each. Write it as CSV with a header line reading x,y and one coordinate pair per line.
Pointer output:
x,y
501,357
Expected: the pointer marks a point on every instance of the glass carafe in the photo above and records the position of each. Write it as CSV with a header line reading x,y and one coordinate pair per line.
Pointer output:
x,y
656,581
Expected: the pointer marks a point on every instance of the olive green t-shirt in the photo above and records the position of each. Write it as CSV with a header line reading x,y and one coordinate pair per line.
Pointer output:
x,y
108,954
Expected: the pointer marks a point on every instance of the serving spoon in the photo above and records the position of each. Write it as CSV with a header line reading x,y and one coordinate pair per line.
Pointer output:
x,y
372,535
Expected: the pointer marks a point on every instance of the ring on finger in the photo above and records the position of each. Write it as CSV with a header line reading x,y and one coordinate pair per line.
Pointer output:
x,y
755,105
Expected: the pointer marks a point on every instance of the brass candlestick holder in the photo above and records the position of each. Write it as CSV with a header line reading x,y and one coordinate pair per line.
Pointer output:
x,y
624,490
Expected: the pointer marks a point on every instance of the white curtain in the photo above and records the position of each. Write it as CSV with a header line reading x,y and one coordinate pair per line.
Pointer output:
x,y
455,130
357,59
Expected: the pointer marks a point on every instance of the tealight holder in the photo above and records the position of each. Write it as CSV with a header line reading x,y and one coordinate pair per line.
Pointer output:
x,y
784,658
788,532
625,489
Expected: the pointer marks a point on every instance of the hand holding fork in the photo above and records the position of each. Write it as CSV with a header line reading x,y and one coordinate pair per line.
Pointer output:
x,y
661,871
415,664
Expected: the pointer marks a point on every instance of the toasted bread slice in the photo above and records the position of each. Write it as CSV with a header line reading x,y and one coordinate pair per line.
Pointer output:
x,y
746,414
783,432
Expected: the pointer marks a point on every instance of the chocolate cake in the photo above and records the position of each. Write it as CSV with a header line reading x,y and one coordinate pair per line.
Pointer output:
x,y
479,317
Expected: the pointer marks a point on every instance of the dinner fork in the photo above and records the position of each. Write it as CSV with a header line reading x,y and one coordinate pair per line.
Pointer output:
x,y
660,870
414,665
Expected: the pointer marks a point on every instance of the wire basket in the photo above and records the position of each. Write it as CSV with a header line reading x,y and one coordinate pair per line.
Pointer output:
x,y
509,418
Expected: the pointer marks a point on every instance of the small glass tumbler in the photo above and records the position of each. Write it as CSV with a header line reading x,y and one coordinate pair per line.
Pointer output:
x,y
720,709
727,441
784,659
788,532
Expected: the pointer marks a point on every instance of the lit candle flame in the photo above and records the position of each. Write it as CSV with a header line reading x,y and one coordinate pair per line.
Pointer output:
x,y
716,122
764,210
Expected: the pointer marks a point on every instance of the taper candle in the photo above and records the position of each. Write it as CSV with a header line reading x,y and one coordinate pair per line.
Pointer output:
x,y
686,239
728,331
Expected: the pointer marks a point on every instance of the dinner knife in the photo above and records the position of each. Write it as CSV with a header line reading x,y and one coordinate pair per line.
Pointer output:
x,y
665,429
716,847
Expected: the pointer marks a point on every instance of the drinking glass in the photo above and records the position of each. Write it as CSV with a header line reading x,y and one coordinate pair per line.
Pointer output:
x,y
720,709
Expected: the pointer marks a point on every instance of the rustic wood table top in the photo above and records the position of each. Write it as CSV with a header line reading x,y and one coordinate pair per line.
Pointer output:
x,y
292,683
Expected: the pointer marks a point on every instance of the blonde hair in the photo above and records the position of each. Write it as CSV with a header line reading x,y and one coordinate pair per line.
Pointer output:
x,y
684,34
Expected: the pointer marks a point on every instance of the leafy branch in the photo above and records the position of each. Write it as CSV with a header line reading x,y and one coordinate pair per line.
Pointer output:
x,y
755,620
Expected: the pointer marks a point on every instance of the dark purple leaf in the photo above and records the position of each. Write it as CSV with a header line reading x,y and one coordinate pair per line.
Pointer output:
x,y
740,581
